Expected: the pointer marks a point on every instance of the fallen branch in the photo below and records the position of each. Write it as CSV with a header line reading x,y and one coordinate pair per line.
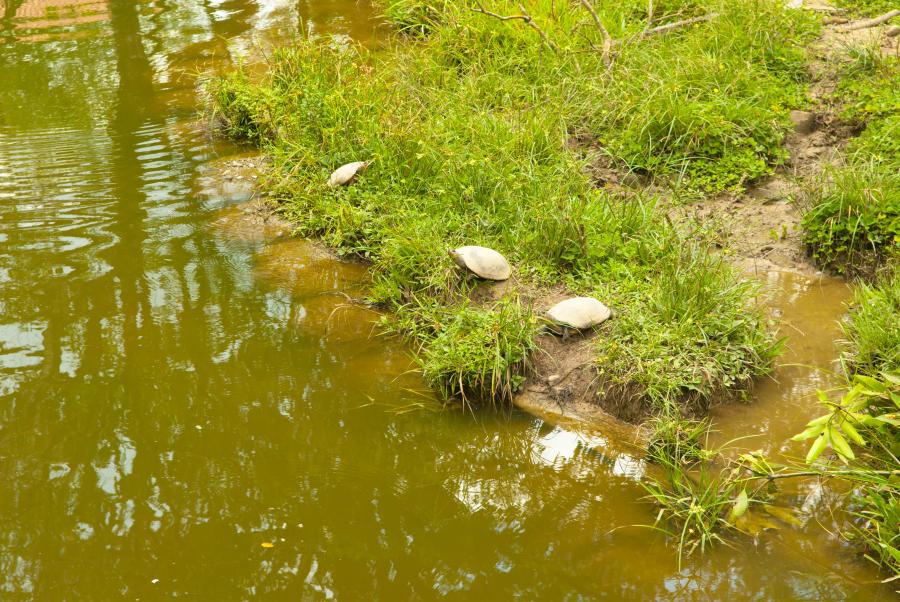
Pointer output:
x,y
678,25
607,39
525,17
893,32
866,23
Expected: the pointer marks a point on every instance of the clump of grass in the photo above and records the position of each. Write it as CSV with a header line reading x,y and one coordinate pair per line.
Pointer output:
x,y
695,506
675,440
416,18
873,328
479,354
695,334
853,224
468,131
867,7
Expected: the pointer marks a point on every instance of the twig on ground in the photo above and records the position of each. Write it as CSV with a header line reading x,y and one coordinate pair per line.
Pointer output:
x,y
678,25
525,17
607,39
649,14
866,23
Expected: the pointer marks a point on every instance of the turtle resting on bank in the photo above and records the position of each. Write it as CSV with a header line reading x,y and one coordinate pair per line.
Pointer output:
x,y
578,313
347,174
483,262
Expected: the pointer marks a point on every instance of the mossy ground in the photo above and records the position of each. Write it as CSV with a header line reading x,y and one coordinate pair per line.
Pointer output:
x,y
470,123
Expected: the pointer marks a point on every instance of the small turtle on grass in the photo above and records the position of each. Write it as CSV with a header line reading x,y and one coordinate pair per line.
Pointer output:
x,y
483,262
347,174
578,313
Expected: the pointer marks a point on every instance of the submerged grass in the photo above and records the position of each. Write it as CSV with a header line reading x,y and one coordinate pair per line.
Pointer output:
x,y
468,122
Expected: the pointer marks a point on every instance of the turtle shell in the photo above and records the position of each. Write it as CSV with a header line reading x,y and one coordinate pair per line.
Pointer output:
x,y
579,312
483,262
346,174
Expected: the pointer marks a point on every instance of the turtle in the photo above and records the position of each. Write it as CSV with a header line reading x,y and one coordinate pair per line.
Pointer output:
x,y
579,313
483,262
347,174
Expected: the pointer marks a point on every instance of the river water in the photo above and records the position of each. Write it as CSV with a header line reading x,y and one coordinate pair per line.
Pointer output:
x,y
189,413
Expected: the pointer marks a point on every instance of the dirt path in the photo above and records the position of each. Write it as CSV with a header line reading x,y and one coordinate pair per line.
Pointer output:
x,y
760,229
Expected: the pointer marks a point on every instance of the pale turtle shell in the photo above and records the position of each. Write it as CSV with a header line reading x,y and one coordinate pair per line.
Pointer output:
x,y
483,262
345,174
579,312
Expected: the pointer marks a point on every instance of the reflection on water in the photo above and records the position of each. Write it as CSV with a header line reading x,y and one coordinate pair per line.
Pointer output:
x,y
173,396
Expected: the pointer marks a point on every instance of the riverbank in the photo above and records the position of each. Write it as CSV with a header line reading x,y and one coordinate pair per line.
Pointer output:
x,y
480,133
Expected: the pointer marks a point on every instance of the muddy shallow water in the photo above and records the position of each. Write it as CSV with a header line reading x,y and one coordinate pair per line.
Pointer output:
x,y
187,410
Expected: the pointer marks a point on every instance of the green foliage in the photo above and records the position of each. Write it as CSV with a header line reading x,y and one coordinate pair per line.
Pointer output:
x,y
469,129
870,407
879,143
415,18
711,104
874,326
480,353
694,334
695,509
863,429
675,440
867,7
868,88
853,223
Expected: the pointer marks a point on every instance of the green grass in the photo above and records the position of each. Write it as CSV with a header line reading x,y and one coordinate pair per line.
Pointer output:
x,y
853,225
852,222
873,328
868,8
471,351
469,126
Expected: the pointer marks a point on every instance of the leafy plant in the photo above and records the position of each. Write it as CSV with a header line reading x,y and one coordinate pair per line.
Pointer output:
x,y
871,406
853,221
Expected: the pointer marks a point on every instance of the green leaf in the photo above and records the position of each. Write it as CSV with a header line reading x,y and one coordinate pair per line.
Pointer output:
x,y
891,377
812,431
741,503
851,432
816,449
892,419
873,384
841,446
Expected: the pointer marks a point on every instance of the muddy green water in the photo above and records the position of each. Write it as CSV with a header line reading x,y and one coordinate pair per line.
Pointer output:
x,y
186,412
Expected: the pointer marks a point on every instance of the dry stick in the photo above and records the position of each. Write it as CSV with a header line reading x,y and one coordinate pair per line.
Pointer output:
x,y
649,15
678,25
523,17
872,22
607,39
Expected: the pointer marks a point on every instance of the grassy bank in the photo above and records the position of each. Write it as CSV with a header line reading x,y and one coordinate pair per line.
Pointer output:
x,y
852,223
480,132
